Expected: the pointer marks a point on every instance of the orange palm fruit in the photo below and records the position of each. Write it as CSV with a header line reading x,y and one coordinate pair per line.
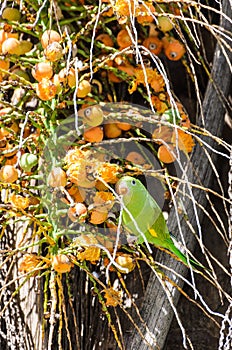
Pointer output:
x,y
98,217
48,37
71,78
77,193
57,177
61,263
112,131
11,160
42,70
94,134
166,154
11,46
183,141
124,126
105,39
19,201
135,158
123,39
4,64
8,173
46,90
53,52
126,261
84,89
144,15
153,44
174,49
77,212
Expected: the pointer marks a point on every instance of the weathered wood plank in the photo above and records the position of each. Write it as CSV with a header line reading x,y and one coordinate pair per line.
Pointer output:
x,y
157,311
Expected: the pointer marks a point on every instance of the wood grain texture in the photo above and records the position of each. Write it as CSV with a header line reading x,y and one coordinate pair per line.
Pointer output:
x,y
157,311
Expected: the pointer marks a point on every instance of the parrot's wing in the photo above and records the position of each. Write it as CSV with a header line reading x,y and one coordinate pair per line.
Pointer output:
x,y
158,225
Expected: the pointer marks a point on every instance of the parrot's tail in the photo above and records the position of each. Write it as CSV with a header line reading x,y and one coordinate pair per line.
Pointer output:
x,y
173,249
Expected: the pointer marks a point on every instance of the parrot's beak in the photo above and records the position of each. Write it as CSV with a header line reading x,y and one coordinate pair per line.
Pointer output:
x,y
121,189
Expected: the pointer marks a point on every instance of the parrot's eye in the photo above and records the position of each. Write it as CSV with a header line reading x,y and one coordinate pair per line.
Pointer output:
x,y
133,182
87,112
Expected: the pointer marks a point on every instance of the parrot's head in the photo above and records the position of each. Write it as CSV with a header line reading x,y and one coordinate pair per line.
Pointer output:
x,y
130,189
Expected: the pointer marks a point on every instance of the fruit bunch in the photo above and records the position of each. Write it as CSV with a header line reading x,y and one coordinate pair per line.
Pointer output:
x,y
53,68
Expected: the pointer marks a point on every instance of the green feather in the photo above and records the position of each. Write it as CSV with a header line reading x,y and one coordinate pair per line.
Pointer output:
x,y
150,222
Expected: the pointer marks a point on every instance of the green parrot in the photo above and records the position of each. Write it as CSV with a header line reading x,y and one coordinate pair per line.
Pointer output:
x,y
150,223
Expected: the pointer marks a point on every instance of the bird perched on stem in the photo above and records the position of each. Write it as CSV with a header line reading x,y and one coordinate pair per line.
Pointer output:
x,y
143,217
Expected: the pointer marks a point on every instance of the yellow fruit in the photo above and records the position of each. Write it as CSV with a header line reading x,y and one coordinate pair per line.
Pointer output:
x,y
19,201
72,78
11,46
19,73
48,37
84,89
109,172
77,193
24,47
53,52
57,177
183,141
8,173
98,217
11,14
11,160
164,24
3,65
144,15
92,116
126,262
61,263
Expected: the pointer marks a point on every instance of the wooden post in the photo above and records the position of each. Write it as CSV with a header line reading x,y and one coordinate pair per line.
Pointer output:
x,y
157,310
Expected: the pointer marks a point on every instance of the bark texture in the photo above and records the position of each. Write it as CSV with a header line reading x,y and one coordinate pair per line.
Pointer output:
x,y
157,311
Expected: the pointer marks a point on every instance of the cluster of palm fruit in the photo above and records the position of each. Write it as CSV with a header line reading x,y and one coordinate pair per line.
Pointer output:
x,y
52,65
